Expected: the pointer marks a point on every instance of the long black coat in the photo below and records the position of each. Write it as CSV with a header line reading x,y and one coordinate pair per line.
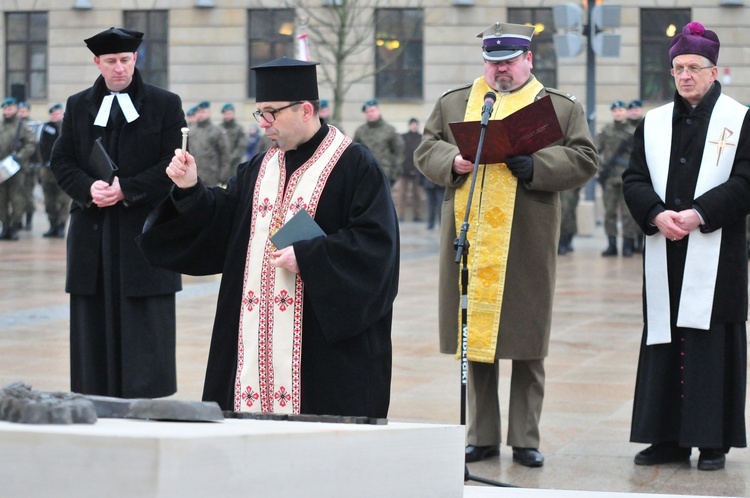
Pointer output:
x,y
143,150
350,278
692,390
122,309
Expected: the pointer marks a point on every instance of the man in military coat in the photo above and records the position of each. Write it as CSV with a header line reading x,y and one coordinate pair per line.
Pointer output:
x,y
513,240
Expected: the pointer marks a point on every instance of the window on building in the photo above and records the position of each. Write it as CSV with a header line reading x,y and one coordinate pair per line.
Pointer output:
x,y
270,36
153,53
26,54
542,46
658,27
399,53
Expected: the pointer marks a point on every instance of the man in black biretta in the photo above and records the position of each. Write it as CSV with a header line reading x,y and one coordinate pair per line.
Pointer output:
x,y
122,311
303,320
114,41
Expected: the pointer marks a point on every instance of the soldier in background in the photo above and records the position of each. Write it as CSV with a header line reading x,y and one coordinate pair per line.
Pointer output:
x,y
209,146
615,143
56,201
326,115
635,112
16,139
410,180
35,162
190,116
236,140
635,116
568,220
382,139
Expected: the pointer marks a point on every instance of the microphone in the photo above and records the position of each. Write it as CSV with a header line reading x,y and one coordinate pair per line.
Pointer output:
x,y
489,99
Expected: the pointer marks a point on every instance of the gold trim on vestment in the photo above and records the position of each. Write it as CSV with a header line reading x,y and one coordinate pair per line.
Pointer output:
x,y
490,223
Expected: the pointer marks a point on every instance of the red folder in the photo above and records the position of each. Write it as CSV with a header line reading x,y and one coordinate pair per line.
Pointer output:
x,y
521,133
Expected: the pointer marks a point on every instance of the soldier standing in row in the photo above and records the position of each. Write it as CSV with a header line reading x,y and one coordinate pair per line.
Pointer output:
x,y
568,220
236,140
382,139
56,201
16,139
30,174
209,146
615,143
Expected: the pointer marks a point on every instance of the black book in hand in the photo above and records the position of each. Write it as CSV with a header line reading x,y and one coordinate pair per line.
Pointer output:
x,y
103,165
301,226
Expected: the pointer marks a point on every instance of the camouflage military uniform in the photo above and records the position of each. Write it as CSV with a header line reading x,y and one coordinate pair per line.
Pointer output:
x,y
237,142
12,197
209,146
56,201
568,220
614,143
31,172
385,144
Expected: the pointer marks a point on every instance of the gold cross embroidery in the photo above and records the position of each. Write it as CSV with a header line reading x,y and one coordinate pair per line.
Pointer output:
x,y
722,142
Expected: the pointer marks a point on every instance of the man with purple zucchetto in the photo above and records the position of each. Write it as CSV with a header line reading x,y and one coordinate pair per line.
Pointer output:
x,y
688,187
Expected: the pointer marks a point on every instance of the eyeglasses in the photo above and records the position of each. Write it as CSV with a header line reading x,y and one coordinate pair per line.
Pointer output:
x,y
270,116
692,70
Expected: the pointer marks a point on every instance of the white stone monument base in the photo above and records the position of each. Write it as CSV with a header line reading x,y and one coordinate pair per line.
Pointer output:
x,y
124,458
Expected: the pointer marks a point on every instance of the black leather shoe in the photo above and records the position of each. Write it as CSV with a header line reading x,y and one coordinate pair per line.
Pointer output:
x,y
528,457
662,453
477,453
711,459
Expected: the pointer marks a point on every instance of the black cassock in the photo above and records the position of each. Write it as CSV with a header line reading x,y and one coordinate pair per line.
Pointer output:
x,y
350,278
692,390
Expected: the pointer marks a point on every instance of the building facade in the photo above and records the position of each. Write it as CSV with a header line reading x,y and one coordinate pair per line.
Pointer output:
x,y
405,53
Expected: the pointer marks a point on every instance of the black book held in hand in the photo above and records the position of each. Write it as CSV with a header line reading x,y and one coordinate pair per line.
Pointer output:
x,y
103,165
301,226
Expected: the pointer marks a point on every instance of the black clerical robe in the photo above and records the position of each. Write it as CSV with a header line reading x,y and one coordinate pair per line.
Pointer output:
x,y
350,277
122,325
692,390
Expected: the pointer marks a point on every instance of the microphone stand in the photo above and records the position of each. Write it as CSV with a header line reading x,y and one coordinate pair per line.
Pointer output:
x,y
461,244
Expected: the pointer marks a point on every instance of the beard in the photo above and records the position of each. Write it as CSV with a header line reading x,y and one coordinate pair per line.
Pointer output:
x,y
504,83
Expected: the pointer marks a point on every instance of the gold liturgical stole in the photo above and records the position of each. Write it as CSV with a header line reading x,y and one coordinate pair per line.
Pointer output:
x,y
490,222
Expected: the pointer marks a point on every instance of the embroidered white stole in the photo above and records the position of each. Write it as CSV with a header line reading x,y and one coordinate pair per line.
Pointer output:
x,y
702,260
269,351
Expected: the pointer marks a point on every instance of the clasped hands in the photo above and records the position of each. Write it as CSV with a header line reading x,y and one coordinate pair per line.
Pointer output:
x,y
104,195
522,167
676,225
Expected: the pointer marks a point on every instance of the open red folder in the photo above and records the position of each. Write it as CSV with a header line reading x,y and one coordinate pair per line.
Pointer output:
x,y
521,133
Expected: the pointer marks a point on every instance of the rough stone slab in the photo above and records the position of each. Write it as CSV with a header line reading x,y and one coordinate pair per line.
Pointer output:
x,y
20,404
156,409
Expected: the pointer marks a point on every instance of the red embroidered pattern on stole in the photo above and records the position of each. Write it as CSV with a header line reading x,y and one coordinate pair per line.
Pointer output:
x,y
284,300
263,209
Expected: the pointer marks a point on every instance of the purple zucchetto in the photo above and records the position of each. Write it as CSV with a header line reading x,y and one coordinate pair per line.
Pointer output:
x,y
502,41
695,39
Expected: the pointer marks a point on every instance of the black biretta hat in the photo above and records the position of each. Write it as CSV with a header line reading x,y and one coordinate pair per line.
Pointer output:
x,y
286,79
114,41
